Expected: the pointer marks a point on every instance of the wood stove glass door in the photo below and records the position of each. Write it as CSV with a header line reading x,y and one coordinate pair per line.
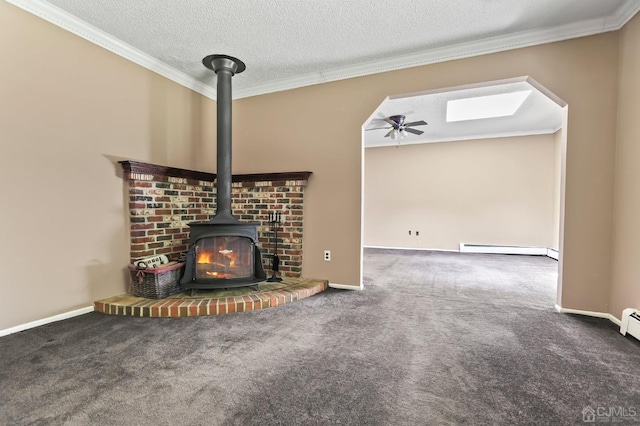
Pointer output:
x,y
224,258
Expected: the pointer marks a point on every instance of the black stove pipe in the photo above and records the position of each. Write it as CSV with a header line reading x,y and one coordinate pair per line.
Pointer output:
x,y
225,67
226,225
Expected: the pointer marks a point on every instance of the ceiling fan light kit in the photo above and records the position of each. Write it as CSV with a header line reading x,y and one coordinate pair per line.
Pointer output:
x,y
398,134
399,129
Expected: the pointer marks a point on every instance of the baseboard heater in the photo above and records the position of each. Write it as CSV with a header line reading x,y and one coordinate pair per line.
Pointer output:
x,y
496,249
630,323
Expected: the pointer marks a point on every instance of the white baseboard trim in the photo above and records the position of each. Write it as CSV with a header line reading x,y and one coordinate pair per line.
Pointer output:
x,y
615,320
485,249
37,323
409,248
595,314
495,249
553,253
346,286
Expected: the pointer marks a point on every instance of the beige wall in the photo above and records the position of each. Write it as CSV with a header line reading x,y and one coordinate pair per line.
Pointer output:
x,y
492,191
322,134
68,111
625,291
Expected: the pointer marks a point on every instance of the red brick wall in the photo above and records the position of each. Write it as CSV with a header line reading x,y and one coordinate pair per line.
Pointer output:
x,y
162,201
253,201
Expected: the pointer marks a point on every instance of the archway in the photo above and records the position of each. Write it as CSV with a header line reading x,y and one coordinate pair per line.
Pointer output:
x,y
540,113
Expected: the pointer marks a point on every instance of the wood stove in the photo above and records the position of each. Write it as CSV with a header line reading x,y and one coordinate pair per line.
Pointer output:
x,y
223,252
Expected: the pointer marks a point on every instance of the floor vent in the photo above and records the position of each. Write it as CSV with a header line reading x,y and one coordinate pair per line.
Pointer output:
x,y
631,322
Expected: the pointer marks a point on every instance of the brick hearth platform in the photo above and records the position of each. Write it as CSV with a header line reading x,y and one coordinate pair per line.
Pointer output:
x,y
213,302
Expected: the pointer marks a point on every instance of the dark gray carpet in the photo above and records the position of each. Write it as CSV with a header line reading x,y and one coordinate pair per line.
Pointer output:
x,y
435,338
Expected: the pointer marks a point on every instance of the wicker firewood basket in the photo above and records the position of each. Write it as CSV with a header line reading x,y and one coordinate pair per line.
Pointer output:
x,y
156,283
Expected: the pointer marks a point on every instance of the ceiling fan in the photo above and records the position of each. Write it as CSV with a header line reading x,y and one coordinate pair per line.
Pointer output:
x,y
399,128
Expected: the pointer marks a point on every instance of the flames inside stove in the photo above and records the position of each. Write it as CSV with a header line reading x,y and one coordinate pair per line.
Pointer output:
x,y
223,257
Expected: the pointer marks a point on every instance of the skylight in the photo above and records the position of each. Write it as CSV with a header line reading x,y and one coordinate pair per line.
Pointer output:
x,y
502,105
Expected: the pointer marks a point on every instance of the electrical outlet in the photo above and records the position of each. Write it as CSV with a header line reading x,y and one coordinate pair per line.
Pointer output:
x,y
327,255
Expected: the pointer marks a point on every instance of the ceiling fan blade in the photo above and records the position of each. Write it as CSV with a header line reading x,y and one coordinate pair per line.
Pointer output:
x,y
416,123
389,134
378,128
390,121
414,131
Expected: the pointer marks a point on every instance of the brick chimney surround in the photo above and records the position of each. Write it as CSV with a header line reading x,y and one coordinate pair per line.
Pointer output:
x,y
163,200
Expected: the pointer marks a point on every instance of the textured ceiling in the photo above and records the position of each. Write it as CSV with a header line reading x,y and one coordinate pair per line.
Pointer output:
x,y
292,43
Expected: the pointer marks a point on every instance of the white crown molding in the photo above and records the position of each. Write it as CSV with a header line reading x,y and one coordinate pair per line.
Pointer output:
x,y
66,21
463,50
76,26
624,14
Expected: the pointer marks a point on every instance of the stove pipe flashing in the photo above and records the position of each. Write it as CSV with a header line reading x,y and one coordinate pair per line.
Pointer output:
x,y
225,67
